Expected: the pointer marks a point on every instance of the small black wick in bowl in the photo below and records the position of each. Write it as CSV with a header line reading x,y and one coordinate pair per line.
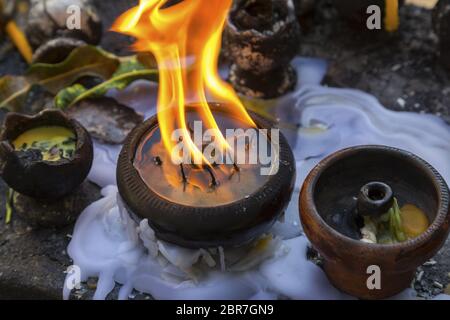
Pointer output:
x,y
374,198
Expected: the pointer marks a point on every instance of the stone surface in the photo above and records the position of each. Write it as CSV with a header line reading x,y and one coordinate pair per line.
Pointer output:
x,y
403,72
105,119
33,259
56,214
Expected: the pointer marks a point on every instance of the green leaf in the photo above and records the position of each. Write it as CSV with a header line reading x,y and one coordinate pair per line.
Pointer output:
x,y
128,71
395,223
83,61
66,96
8,206
128,65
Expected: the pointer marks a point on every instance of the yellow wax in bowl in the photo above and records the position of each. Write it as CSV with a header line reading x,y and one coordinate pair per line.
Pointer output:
x,y
414,221
54,142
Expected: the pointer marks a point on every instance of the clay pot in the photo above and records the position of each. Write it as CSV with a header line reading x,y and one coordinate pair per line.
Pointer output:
x,y
333,185
27,173
231,224
260,51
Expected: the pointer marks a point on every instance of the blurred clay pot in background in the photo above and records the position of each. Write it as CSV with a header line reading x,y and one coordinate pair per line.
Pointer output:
x,y
441,25
26,172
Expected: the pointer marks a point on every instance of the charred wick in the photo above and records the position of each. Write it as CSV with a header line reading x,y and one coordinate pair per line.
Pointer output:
x,y
157,160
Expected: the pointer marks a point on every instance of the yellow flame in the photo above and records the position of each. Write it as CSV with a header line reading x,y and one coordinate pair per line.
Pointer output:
x,y
185,39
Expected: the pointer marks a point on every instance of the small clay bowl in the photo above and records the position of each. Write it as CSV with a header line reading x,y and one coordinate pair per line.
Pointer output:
x,y
333,185
261,58
26,172
355,11
227,225
49,19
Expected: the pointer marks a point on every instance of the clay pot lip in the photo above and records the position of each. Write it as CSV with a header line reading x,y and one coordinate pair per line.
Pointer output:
x,y
442,215
47,117
290,18
40,55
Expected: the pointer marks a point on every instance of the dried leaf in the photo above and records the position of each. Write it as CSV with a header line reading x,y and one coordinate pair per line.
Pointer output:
x,y
83,61
128,71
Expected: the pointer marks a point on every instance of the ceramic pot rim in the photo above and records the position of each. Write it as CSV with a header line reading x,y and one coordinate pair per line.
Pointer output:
x,y
289,19
442,215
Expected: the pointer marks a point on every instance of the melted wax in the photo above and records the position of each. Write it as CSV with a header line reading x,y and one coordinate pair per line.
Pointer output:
x,y
107,244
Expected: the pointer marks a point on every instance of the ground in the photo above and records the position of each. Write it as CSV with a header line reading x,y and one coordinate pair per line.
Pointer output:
x,y
402,70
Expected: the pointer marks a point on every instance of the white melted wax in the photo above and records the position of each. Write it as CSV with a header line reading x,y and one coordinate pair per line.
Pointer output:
x,y
107,244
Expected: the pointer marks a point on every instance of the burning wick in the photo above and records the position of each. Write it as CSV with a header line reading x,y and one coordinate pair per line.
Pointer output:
x,y
185,39
237,171
175,34
157,161
201,134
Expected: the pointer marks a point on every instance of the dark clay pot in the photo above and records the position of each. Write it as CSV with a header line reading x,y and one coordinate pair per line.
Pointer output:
x,y
332,185
261,54
227,225
37,178
441,25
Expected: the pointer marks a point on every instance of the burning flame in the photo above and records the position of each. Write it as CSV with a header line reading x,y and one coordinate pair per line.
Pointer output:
x,y
185,39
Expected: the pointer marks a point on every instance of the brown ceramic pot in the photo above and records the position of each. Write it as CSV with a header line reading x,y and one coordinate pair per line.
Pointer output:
x,y
227,225
346,259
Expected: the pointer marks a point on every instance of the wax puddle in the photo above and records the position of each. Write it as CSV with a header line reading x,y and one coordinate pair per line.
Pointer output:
x,y
106,243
